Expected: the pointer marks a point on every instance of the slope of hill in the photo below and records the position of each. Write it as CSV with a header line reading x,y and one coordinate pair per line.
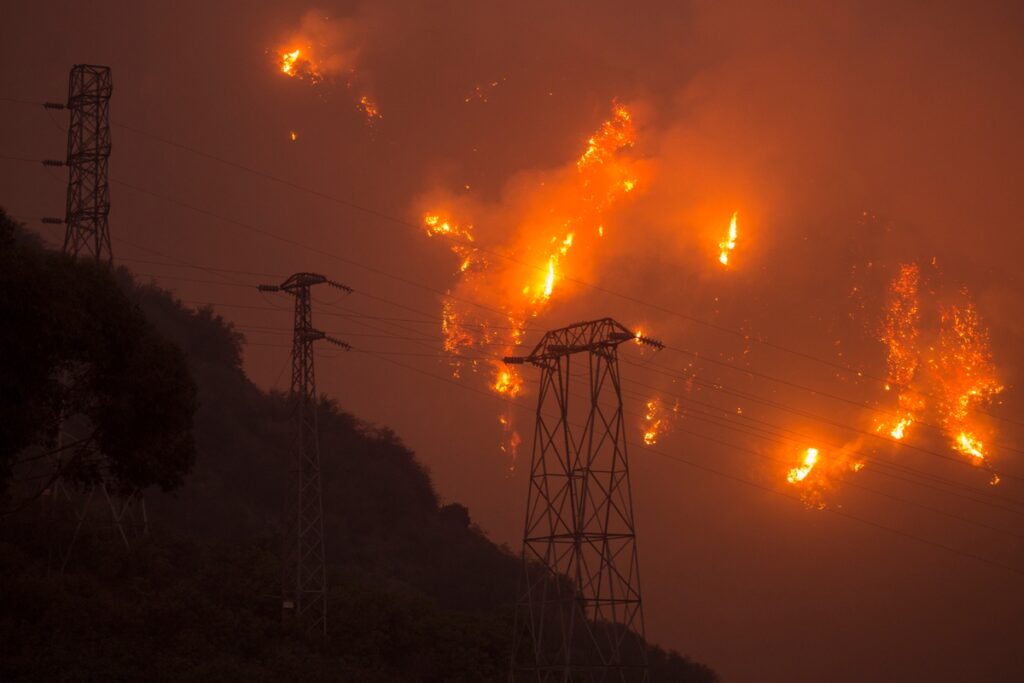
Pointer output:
x,y
197,599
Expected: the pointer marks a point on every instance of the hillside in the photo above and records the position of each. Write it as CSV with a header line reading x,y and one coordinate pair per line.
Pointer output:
x,y
417,591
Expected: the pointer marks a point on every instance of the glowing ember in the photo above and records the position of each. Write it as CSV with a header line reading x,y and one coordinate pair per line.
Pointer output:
x,y
657,420
900,333
369,107
729,243
966,374
956,369
293,135
651,423
615,134
510,439
800,473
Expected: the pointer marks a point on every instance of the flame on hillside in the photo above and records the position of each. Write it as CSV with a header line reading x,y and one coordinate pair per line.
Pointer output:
x,y
326,52
816,472
503,285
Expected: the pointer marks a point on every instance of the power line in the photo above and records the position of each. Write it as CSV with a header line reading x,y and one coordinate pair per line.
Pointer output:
x,y
731,477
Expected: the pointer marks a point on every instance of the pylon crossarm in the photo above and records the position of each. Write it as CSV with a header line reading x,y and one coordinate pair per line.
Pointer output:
x,y
338,285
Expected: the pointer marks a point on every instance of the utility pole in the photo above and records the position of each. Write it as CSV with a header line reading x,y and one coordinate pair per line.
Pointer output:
x,y
303,570
88,197
579,615
87,234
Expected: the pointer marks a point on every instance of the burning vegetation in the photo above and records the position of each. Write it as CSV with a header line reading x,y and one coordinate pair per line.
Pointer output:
x,y
817,472
940,367
326,53
729,243
500,288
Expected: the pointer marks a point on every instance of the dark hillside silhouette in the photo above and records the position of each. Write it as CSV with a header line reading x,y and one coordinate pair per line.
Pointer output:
x,y
417,591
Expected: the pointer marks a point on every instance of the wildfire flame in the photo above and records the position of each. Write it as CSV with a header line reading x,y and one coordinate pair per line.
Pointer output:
x,y
326,52
966,375
544,232
508,381
950,377
816,474
600,178
658,420
729,243
299,64
800,473
288,61
900,333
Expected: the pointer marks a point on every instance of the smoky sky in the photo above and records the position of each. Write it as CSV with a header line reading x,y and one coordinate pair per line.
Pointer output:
x,y
849,137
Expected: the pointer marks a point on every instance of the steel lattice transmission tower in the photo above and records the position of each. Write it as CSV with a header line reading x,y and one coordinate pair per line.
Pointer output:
x,y
579,615
88,198
303,572
87,234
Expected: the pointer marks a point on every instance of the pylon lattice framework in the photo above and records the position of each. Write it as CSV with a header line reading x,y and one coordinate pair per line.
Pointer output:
x,y
86,214
579,615
88,198
303,567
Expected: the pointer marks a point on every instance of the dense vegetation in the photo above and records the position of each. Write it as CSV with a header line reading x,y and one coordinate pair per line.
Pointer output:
x,y
197,598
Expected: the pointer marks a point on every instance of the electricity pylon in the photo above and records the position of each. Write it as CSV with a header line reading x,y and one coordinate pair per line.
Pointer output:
x,y
579,615
87,234
303,570
88,198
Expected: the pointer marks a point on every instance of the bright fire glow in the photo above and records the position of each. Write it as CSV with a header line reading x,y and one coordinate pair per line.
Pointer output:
x,y
800,473
950,376
968,444
966,375
299,64
652,423
539,254
326,52
816,473
288,61
546,237
729,243
658,420
900,333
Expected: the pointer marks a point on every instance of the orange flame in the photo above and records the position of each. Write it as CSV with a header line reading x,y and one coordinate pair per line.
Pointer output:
x,y
966,374
299,64
900,333
729,243
539,250
508,382
815,474
959,372
800,473
288,61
